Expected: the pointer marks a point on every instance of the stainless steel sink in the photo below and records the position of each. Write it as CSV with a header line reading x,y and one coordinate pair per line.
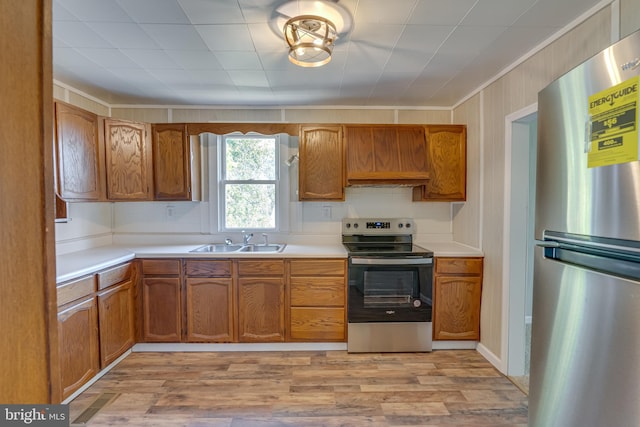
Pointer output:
x,y
263,248
222,247
218,248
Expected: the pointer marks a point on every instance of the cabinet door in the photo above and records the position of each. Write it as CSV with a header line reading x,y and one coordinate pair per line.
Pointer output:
x,y
78,344
260,309
127,160
457,307
171,162
386,153
79,168
209,310
116,320
161,301
321,171
447,158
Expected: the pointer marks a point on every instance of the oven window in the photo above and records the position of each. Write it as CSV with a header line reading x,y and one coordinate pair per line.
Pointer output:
x,y
384,288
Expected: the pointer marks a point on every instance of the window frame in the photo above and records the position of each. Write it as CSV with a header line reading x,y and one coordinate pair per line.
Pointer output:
x,y
222,182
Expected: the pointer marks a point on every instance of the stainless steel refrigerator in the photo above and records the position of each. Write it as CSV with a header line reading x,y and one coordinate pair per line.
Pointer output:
x,y
585,346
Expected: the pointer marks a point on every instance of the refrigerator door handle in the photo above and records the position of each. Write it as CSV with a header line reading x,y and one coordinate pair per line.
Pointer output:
x,y
547,244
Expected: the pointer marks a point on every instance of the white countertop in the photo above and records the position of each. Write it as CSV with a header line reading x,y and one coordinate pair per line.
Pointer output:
x,y
76,264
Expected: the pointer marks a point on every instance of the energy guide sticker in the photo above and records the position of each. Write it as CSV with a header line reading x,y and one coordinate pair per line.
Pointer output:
x,y
613,130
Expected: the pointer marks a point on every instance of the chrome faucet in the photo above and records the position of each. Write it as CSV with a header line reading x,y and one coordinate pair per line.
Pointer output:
x,y
246,237
266,239
228,241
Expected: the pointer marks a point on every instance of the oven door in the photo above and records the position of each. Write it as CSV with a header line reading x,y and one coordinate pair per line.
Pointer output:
x,y
390,289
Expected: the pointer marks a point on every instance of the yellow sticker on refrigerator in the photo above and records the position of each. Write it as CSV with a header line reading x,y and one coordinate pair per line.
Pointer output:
x,y
613,130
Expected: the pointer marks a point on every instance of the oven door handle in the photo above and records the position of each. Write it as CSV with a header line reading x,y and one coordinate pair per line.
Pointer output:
x,y
391,261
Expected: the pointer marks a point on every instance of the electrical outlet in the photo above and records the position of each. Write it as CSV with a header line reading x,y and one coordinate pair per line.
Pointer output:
x,y
326,212
170,211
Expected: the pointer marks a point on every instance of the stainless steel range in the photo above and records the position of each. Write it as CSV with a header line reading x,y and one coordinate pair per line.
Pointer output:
x,y
389,303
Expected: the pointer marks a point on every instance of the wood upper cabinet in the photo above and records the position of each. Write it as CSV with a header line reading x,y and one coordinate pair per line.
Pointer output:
x,y
447,157
78,344
128,160
457,295
176,163
317,300
161,300
261,309
321,168
390,154
79,154
209,301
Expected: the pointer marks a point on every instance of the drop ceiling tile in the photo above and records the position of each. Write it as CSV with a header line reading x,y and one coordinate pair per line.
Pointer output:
x,y
95,10
108,58
211,77
406,61
257,10
70,58
78,34
378,11
136,76
435,12
471,40
154,11
124,35
194,59
60,12
150,59
212,12
266,38
239,60
175,36
226,37
423,38
497,12
246,78
555,13
384,36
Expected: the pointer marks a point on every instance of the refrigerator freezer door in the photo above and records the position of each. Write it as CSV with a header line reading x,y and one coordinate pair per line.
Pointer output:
x,y
585,356
570,197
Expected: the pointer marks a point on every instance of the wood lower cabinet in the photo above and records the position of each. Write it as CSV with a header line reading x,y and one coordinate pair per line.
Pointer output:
x,y
78,344
321,171
317,300
209,304
457,295
261,309
447,163
161,300
116,319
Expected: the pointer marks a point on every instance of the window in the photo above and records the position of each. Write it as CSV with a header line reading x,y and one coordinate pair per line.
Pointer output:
x,y
249,182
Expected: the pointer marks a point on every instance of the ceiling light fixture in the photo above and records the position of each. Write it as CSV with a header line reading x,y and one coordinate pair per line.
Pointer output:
x,y
310,39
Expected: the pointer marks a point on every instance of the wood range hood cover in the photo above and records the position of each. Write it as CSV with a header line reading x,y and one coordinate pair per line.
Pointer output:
x,y
386,155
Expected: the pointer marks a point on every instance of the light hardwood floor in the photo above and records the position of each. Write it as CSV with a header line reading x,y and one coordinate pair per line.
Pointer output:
x,y
324,388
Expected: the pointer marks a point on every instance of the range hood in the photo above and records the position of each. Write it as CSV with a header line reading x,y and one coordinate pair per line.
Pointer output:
x,y
386,155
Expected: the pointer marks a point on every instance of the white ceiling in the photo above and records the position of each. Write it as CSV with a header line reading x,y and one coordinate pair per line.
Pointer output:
x,y
228,52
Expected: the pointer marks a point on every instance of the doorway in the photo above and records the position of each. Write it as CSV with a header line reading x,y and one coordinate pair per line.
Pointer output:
x,y
521,142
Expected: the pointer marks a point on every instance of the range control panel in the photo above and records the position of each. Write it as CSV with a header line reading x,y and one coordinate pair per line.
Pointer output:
x,y
376,226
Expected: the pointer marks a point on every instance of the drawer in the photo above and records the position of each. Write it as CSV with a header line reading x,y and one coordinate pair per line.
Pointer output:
x,y
317,291
161,267
74,289
261,268
207,268
317,324
318,267
458,266
114,275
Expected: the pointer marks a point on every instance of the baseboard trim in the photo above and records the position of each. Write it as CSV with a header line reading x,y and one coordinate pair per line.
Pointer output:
x,y
492,358
287,346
